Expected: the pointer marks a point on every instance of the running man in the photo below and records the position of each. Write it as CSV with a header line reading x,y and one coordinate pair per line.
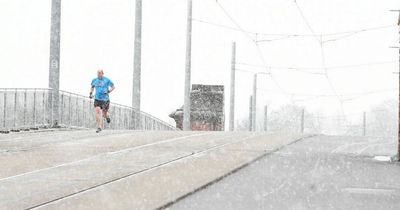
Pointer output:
x,y
103,87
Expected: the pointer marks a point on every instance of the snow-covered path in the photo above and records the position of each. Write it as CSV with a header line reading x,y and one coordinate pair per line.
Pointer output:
x,y
322,172
121,169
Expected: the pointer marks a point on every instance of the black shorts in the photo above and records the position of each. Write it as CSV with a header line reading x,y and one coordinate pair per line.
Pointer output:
x,y
104,105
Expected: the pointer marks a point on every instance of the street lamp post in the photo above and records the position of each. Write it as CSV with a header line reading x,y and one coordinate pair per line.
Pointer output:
x,y
398,134
251,113
232,97
136,86
254,110
186,106
266,118
54,64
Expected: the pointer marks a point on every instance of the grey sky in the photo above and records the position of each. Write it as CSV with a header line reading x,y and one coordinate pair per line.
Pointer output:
x,y
99,34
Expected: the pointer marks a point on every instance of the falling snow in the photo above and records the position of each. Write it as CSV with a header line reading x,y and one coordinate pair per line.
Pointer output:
x,y
217,104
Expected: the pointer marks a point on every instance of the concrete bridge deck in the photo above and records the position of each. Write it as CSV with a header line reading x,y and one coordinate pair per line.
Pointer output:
x,y
120,169
321,172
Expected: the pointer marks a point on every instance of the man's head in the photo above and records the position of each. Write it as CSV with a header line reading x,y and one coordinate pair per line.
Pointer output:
x,y
100,73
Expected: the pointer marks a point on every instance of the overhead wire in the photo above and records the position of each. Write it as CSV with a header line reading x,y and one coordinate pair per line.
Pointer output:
x,y
283,36
332,95
320,39
360,30
307,22
254,42
323,59
329,68
234,21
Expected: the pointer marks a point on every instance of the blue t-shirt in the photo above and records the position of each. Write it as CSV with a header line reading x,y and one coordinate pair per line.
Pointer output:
x,y
101,86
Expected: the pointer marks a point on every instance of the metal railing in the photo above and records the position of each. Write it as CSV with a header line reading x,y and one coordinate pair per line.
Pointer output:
x,y
26,108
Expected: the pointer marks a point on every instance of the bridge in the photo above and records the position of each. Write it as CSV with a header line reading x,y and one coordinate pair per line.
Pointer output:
x,y
134,169
141,162
67,168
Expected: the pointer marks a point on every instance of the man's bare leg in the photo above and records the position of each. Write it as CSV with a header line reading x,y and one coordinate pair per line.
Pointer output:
x,y
98,117
105,115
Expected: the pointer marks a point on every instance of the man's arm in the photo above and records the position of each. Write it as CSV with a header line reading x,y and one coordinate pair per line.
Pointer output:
x,y
92,85
111,84
91,92
91,89
111,89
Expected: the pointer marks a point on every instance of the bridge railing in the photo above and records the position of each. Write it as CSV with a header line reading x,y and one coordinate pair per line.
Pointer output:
x,y
25,108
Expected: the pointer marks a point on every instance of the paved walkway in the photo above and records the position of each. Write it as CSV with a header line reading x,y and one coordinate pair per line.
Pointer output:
x,y
120,169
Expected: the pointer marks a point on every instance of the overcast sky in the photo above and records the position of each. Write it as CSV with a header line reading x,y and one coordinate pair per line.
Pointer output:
x,y
100,33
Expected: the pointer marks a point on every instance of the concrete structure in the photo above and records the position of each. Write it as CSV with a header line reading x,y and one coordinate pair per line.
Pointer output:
x,y
207,109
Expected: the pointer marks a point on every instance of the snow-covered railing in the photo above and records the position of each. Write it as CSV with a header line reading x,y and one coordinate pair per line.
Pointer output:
x,y
27,108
